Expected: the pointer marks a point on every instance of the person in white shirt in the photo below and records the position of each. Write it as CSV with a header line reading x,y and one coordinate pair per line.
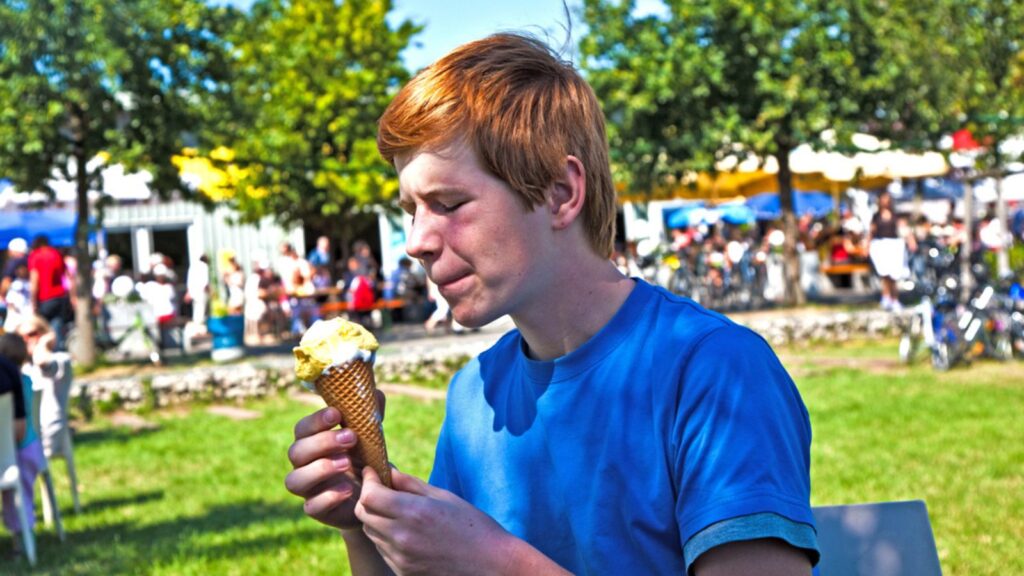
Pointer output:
x,y
197,290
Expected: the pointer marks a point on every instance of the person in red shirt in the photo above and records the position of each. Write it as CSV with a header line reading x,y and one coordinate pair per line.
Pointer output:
x,y
51,298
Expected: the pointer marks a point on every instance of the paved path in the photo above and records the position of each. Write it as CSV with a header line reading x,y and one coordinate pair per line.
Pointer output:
x,y
408,342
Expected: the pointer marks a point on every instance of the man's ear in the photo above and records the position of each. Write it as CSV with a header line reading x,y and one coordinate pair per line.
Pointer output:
x,y
568,194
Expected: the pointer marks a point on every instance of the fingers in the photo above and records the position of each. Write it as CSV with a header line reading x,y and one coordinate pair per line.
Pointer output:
x,y
408,483
377,500
321,445
329,498
323,419
304,480
381,501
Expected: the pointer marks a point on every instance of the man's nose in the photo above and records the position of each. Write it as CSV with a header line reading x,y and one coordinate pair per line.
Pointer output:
x,y
424,240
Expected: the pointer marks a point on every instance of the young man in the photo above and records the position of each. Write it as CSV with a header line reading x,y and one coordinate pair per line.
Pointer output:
x,y
619,429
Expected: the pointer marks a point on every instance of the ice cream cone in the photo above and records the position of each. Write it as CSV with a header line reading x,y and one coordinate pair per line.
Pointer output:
x,y
350,387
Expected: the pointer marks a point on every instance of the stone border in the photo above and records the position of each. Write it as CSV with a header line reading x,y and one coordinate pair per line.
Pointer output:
x,y
255,379
265,376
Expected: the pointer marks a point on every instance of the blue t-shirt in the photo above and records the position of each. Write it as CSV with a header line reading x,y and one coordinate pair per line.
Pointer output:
x,y
672,422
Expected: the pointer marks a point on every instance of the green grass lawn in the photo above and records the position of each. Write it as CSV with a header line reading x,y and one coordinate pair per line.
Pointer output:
x,y
201,493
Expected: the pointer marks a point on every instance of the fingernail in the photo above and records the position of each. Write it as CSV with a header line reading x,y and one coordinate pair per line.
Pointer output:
x,y
331,417
346,437
341,463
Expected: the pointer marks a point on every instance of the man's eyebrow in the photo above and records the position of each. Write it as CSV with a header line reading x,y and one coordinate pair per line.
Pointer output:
x,y
443,191
432,193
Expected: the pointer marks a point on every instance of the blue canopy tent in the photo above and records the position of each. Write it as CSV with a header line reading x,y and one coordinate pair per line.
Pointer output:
x,y
58,225
931,189
697,213
941,188
766,206
737,214
684,216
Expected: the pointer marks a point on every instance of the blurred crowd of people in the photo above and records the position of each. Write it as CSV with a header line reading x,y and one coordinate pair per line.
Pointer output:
x,y
730,266
37,280
279,298
720,265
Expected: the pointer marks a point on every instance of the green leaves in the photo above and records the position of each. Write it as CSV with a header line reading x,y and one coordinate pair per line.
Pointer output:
x,y
311,80
718,73
86,76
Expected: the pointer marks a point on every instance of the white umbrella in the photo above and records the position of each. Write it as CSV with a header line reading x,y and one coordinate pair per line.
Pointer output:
x,y
1013,187
117,184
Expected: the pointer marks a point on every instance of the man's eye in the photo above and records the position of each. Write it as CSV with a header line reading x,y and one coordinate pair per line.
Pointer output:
x,y
449,208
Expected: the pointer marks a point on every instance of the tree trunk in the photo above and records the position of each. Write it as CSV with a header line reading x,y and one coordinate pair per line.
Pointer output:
x,y
1002,214
794,292
966,278
84,351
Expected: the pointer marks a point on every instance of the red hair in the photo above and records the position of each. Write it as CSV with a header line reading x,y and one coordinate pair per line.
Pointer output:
x,y
522,109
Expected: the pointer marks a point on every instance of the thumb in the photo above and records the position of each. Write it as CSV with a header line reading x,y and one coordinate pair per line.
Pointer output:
x,y
399,481
408,483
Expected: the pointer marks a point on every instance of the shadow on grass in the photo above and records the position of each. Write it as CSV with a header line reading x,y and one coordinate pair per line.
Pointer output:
x,y
108,503
223,532
113,434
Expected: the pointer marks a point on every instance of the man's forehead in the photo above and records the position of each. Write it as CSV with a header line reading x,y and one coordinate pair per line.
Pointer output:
x,y
447,148
432,168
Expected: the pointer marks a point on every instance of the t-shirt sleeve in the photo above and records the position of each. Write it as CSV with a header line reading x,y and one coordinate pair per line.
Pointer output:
x,y
742,438
752,527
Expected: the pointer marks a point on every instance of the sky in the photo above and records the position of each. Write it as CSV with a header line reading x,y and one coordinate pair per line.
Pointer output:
x,y
449,23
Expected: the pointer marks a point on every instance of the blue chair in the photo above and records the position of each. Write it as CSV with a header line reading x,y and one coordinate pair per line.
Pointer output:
x,y
879,539
10,474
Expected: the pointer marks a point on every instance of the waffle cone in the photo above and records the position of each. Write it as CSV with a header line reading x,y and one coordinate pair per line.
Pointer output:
x,y
350,388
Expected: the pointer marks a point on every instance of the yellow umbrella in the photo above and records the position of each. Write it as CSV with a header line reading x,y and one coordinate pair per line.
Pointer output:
x,y
729,185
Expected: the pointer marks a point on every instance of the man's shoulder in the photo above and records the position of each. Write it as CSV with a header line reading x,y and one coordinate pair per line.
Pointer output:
x,y
681,319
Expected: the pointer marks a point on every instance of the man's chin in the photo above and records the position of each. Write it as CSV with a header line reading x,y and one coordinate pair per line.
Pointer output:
x,y
473,319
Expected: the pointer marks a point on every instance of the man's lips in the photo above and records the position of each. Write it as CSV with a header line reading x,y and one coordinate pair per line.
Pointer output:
x,y
450,281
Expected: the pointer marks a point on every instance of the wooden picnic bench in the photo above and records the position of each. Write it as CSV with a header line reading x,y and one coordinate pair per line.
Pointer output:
x,y
329,309
859,273
846,268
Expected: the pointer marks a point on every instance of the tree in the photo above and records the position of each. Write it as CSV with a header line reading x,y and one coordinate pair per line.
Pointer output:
x,y
711,78
312,79
991,42
84,77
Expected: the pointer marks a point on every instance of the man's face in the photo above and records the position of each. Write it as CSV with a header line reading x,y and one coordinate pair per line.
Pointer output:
x,y
488,256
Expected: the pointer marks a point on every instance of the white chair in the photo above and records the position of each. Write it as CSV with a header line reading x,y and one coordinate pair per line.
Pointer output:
x,y
10,474
55,381
879,539
51,513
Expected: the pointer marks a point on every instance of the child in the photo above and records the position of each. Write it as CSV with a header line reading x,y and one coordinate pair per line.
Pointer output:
x,y
19,298
49,371
13,355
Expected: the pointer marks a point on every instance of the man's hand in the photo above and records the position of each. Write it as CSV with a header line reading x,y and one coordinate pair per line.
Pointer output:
x,y
325,471
421,529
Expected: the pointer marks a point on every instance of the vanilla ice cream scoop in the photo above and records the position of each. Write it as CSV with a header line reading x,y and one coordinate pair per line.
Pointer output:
x,y
332,342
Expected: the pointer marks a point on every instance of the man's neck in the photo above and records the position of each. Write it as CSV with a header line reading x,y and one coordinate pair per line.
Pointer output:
x,y
584,300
